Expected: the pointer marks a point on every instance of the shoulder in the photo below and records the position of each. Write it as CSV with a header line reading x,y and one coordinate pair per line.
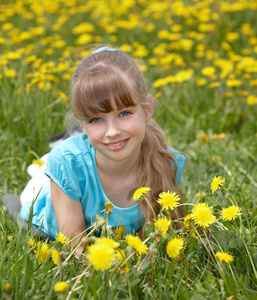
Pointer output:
x,y
71,155
70,163
181,160
75,145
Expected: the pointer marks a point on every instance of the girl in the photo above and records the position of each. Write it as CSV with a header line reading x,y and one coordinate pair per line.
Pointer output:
x,y
121,149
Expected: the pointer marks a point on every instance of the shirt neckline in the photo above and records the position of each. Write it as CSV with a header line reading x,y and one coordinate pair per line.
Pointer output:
x,y
102,190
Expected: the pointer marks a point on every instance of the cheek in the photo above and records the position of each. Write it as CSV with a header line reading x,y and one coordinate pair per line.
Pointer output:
x,y
137,128
94,133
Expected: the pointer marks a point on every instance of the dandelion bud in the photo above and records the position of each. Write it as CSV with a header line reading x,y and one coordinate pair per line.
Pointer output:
x,y
108,207
7,288
100,221
84,240
158,239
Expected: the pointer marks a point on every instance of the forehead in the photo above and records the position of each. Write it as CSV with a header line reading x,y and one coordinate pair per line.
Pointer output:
x,y
107,104
103,89
111,107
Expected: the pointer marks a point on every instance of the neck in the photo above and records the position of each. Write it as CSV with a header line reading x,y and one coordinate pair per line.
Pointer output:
x,y
117,168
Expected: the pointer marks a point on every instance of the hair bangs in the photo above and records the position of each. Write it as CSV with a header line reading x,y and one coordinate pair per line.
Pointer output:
x,y
101,90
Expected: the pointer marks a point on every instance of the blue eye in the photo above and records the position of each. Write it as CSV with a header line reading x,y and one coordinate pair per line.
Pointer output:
x,y
125,113
95,120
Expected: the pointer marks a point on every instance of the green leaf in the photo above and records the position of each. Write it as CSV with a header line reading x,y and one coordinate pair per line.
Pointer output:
x,y
231,285
198,297
248,293
227,239
255,259
209,276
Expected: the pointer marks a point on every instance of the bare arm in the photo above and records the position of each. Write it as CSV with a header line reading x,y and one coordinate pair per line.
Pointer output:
x,y
140,232
69,214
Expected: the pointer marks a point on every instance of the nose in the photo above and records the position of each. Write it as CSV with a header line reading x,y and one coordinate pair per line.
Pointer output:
x,y
112,129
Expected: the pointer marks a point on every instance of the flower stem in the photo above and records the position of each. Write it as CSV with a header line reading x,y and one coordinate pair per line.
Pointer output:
x,y
151,207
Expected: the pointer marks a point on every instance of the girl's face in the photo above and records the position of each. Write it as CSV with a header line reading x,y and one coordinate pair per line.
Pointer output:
x,y
118,135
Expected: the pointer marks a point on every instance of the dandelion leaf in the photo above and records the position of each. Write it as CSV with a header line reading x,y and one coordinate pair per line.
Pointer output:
x,y
226,239
248,293
255,259
231,285
198,297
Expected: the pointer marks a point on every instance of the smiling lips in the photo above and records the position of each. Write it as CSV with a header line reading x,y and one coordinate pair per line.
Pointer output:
x,y
117,146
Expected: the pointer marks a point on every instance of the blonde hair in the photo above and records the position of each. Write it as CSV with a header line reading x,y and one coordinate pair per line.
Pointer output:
x,y
111,75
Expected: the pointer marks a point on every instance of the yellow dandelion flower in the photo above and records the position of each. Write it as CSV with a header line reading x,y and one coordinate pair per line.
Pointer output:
x,y
253,82
31,242
7,26
13,55
60,286
217,183
203,136
140,193
233,82
108,242
136,243
55,256
174,246
66,76
230,213
9,238
201,81
10,73
126,48
120,232
187,220
202,215
223,256
168,200
84,39
214,84
216,136
63,97
83,27
42,252
188,225
208,71
251,100
60,237
232,36
49,51
162,225
100,256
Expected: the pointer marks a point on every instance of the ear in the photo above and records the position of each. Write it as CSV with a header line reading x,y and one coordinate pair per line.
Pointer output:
x,y
149,108
82,126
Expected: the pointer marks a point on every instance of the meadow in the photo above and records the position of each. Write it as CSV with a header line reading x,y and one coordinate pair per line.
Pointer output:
x,y
199,58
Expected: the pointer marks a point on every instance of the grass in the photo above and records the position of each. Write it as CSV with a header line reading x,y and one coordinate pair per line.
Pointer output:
x,y
208,114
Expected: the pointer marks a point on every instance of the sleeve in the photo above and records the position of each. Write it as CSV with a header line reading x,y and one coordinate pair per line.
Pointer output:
x,y
181,164
65,170
181,160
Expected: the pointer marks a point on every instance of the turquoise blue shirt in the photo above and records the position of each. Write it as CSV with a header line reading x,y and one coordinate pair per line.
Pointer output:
x,y
72,166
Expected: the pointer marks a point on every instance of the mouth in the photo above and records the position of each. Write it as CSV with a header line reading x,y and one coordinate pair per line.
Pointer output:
x,y
117,145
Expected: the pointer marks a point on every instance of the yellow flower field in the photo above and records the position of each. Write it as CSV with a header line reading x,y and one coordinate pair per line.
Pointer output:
x,y
199,58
